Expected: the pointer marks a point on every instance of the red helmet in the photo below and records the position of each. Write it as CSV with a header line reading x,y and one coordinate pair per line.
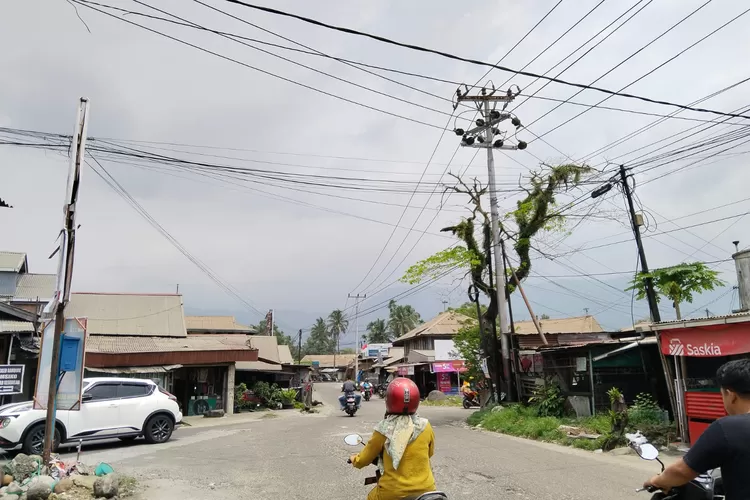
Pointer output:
x,y
401,397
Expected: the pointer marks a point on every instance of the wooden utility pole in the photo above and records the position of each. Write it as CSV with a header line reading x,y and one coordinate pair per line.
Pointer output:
x,y
65,268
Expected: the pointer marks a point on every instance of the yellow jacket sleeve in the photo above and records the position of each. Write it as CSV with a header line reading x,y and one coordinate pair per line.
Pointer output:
x,y
431,450
372,450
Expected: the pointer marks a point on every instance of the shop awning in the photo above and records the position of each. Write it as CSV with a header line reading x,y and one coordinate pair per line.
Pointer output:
x,y
257,366
136,369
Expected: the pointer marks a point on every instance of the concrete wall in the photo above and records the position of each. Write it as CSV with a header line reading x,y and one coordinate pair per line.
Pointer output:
x,y
229,406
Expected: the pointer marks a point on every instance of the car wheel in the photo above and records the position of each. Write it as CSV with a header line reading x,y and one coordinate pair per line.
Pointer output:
x,y
33,443
158,429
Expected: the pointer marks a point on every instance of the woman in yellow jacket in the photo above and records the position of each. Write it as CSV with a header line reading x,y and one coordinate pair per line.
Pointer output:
x,y
403,444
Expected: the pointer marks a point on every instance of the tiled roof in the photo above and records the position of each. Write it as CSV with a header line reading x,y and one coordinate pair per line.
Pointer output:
x,y
326,360
446,323
129,314
579,324
130,344
35,287
12,261
215,324
7,326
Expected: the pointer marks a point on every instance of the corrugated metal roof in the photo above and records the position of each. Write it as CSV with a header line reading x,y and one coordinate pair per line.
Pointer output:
x,y
445,323
7,326
739,317
257,366
129,314
579,324
35,287
215,324
268,347
326,360
12,261
8,282
285,355
712,318
136,344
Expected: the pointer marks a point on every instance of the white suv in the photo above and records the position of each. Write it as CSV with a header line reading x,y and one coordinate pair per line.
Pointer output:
x,y
123,408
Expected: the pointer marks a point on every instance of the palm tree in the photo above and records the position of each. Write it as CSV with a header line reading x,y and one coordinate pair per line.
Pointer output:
x,y
377,332
319,341
337,324
402,319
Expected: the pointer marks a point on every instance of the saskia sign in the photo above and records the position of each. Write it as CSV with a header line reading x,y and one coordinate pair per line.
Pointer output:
x,y
707,342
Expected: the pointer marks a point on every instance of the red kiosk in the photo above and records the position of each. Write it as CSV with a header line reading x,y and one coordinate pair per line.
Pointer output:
x,y
707,344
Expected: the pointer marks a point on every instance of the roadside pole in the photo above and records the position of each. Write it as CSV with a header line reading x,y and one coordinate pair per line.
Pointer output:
x,y
357,348
299,348
483,136
65,270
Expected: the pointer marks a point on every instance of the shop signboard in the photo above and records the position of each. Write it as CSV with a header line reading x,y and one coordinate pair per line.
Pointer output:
x,y
405,370
444,382
11,379
449,367
445,350
706,342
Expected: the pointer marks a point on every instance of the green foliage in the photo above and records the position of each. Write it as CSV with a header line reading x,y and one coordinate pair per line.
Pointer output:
x,y
645,411
281,337
537,211
521,421
401,318
239,400
377,332
270,394
544,316
337,325
288,395
678,283
319,341
468,343
435,265
448,401
618,418
548,399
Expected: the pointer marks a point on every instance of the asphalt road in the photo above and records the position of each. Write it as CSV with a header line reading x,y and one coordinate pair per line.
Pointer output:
x,y
297,456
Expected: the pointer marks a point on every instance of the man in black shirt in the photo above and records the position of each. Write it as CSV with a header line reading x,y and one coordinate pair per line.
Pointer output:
x,y
725,443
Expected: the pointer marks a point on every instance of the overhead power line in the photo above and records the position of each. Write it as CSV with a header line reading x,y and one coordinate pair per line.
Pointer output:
x,y
255,68
389,41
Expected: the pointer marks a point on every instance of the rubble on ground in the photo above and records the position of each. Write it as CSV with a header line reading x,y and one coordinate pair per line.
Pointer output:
x,y
26,478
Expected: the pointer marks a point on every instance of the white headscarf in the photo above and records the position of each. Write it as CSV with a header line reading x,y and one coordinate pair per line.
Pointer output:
x,y
399,432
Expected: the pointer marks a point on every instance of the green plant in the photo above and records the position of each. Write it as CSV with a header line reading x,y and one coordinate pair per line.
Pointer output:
x,y
270,394
618,416
645,411
288,395
548,399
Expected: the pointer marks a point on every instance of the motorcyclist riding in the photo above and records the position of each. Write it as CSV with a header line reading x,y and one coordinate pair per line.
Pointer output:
x,y
403,444
349,388
366,385
725,443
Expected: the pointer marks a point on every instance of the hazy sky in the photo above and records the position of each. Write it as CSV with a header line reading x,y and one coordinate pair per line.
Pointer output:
x,y
300,249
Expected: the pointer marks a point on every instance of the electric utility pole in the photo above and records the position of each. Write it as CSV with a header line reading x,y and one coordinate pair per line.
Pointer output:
x,y
357,349
484,136
299,348
653,305
56,307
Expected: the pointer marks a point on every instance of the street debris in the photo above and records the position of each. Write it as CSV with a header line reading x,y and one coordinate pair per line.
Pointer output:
x,y
26,478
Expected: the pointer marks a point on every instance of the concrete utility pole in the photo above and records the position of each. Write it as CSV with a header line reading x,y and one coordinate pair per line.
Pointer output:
x,y
445,305
299,348
56,307
357,348
483,136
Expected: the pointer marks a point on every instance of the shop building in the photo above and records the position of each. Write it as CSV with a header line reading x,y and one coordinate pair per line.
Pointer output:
x,y
144,336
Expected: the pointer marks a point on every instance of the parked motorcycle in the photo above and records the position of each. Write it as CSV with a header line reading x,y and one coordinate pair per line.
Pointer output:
x,y
708,486
381,390
356,440
350,405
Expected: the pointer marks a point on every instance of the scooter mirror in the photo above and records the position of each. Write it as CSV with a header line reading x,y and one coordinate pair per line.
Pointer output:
x,y
647,451
353,439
